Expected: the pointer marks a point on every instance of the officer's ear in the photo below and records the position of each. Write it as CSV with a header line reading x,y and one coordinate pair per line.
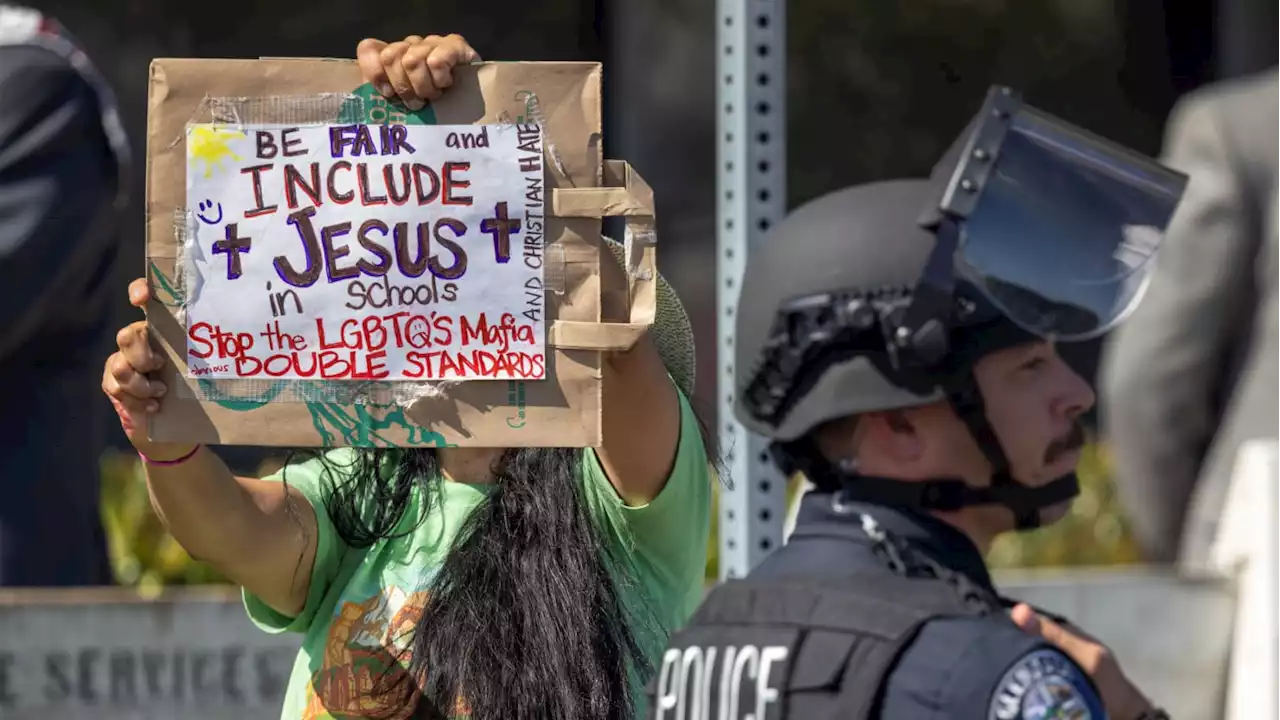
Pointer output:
x,y
894,435
838,439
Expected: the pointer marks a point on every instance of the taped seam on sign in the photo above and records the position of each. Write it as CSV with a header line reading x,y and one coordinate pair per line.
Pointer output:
x,y
638,233
186,277
380,393
641,266
408,393
301,110
627,195
554,274
597,202
586,335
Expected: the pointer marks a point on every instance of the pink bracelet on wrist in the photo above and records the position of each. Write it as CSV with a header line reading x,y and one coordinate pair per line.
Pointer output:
x,y
167,463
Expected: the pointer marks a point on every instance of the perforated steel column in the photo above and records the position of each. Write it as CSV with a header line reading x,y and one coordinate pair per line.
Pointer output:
x,y
751,94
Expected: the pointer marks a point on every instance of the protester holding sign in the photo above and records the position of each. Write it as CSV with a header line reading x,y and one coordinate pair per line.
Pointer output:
x,y
488,583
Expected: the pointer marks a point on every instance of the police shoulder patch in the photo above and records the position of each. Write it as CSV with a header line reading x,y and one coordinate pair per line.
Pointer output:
x,y
1045,684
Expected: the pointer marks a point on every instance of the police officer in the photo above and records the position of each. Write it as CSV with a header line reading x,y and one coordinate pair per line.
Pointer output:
x,y
896,342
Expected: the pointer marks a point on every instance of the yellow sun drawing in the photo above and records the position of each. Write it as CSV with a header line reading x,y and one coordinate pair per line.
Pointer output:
x,y
208,144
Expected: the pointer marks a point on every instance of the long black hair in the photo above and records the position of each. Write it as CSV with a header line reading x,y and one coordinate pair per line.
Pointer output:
x,y
526,618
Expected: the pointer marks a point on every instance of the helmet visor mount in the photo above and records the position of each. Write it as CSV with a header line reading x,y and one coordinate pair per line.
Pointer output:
x,y
1057,227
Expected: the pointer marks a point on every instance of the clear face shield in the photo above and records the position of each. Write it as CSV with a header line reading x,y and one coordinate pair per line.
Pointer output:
x,y
1056,226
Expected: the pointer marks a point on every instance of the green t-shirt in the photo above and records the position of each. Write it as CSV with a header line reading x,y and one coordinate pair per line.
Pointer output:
x,y
362,602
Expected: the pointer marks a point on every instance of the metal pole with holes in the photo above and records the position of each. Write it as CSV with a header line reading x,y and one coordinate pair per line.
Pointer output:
x,y
751,94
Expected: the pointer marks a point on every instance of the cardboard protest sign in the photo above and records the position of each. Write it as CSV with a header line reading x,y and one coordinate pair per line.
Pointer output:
x,y
328,269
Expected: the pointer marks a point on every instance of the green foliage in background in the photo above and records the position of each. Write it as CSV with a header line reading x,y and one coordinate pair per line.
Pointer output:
x,y
143,554
146,557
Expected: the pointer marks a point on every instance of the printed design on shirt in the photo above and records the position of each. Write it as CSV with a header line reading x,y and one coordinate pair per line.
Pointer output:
x,y
362,669
1045,685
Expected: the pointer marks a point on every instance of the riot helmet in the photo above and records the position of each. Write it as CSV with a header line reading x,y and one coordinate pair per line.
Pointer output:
x,y
883,296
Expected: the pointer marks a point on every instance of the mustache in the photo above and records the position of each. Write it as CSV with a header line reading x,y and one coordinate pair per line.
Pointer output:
x,y
1072,441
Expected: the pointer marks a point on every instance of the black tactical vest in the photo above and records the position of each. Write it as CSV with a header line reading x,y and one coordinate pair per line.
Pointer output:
x,y
811,648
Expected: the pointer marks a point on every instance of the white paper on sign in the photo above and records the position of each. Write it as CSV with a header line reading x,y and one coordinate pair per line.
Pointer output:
x,y
366,252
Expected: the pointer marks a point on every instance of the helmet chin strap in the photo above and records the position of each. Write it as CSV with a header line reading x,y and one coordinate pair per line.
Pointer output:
x,y
1024,501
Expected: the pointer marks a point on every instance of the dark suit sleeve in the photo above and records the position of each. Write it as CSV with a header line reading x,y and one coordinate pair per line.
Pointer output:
x,y
1164,366
56,177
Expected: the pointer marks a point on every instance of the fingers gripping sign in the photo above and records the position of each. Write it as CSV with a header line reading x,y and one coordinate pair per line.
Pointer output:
x,y
416,69
1045,684
128,378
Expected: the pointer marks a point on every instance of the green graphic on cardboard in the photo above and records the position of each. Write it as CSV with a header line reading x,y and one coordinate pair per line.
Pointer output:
x,y
374,109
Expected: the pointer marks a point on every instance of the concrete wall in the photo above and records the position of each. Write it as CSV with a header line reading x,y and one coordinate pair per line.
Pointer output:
x,y
102,655
106,656
1171,635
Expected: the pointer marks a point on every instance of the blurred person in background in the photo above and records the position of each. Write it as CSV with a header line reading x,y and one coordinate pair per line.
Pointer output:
x,y
1192,374
62,158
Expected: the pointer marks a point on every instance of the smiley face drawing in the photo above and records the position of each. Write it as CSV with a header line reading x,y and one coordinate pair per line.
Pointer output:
x,y
207,206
